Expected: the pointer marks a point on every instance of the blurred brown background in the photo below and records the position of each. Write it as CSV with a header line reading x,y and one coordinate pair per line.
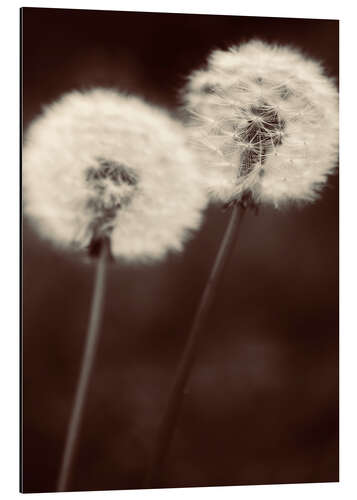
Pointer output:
x,y
262,405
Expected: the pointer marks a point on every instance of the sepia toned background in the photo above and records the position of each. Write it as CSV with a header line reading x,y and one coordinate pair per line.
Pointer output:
x,y
262,402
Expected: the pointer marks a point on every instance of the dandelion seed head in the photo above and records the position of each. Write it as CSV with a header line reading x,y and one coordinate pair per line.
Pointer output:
x,y
265,120
101,164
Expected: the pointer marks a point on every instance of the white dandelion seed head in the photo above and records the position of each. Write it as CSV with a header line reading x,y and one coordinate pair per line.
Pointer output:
x,y
99,163
265,119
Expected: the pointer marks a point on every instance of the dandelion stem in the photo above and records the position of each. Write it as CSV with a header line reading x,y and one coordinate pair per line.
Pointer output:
x,y
86,368
168,422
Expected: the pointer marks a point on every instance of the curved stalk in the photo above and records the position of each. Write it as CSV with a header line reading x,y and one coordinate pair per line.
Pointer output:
x,y
168,422
90,348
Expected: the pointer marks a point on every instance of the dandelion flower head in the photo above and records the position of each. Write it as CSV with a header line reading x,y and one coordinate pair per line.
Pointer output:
x,y
265,119
101,164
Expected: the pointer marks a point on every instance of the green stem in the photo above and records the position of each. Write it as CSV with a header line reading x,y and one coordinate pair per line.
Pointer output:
x,y
86,369
168,422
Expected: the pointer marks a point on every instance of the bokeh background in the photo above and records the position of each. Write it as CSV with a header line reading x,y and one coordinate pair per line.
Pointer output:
x,y
262,402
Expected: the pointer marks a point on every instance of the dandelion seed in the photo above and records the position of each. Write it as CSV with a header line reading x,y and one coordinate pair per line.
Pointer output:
x,y
106,172
99,164
273,115
264,119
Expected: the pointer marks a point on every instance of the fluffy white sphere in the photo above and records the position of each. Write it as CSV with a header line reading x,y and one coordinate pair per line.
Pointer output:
x,y
99,163
265,119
